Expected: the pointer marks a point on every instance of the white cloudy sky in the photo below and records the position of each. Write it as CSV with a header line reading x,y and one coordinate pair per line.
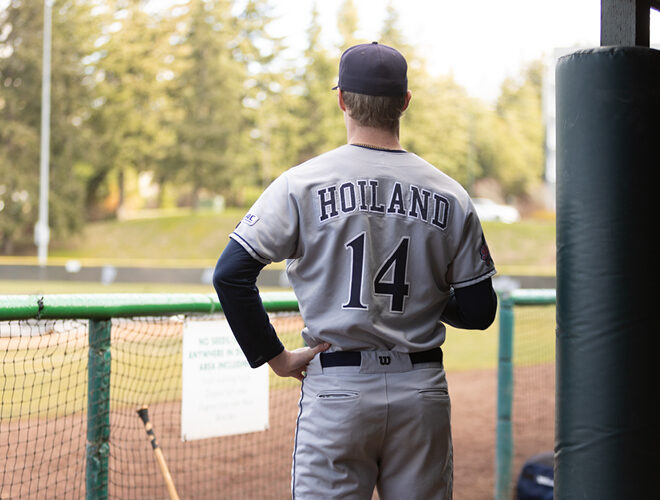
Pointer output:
x,y
480,42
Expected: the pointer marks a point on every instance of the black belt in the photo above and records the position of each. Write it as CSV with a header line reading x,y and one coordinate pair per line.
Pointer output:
x,y
354,358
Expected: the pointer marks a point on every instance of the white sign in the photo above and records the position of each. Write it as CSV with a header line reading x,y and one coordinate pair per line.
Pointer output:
x,y
222,395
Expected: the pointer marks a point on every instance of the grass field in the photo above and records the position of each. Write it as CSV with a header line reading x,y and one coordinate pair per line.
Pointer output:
x,y
52,287
191,239
534,341
196,240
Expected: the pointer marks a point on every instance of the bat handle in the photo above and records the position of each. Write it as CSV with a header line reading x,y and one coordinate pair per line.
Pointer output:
x,y
144,416
143,413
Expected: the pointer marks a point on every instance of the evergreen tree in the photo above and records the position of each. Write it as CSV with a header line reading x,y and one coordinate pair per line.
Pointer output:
x,y
264,93
20,90
21,45
436,124
348,24
391,34
209,92
520,109
125,122
511,136
321,123
74,33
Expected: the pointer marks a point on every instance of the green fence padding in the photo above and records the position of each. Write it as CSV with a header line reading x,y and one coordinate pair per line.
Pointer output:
x,y
116,305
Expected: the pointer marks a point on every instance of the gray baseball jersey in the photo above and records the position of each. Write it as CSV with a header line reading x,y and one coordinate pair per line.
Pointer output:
x,y
373,240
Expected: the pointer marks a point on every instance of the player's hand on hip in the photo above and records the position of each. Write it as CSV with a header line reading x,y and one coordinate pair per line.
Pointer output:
x,y
294,363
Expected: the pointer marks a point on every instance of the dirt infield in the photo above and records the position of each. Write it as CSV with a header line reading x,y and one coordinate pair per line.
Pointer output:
x,y
46,460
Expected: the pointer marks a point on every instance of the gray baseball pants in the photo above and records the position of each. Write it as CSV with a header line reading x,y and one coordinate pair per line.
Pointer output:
x,y
383,424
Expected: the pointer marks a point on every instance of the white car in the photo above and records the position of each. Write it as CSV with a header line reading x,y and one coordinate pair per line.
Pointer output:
x,y
488,210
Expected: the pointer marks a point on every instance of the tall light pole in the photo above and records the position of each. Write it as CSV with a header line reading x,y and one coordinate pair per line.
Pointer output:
x,y
42,229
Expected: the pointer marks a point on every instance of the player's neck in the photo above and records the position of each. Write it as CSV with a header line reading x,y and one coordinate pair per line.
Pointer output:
x,y
374,137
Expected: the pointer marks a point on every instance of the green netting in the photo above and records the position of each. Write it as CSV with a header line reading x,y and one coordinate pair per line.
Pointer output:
x,y
44,422
43,398
44,406
533,411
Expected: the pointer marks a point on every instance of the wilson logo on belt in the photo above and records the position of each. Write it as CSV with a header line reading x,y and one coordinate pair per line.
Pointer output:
x,y
384,360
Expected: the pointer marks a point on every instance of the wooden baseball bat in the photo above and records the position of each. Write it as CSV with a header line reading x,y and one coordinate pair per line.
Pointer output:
x,y
143,412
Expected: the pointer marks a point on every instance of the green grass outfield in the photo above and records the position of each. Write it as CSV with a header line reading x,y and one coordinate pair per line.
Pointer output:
x,y
11,287
534,341
196,239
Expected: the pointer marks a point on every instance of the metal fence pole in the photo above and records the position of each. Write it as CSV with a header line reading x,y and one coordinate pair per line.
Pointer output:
x,y
98,410
504,428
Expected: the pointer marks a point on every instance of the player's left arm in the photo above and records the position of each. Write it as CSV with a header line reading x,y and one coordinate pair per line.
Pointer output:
x,y
472,307
234,280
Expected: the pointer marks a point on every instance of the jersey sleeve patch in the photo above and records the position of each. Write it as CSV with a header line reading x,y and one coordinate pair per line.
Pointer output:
x,y
484,252
250,219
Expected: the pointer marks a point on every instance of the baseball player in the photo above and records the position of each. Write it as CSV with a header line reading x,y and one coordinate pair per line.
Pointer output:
x,y
382,250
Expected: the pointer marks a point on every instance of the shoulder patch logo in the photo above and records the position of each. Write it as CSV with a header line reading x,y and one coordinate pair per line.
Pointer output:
x,y
250,219
485,252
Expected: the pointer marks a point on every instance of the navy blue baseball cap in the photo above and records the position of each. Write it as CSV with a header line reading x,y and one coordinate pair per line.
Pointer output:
x,y
373,69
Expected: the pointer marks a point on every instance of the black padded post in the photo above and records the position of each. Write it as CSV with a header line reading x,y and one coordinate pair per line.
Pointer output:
x,y
608,155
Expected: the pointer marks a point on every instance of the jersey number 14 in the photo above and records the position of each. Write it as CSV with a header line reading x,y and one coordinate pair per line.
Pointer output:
x,y
390,278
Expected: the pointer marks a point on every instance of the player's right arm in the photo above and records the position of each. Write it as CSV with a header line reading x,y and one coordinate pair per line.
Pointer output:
x,y
473,302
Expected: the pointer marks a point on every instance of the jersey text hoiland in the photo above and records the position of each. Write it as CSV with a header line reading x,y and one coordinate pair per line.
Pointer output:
x,y
369,196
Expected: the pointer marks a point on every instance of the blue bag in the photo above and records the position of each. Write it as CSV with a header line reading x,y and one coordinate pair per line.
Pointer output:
x,y
536,481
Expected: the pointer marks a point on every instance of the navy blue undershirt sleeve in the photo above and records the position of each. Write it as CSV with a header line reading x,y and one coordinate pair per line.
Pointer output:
x,y
235,282
472,307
